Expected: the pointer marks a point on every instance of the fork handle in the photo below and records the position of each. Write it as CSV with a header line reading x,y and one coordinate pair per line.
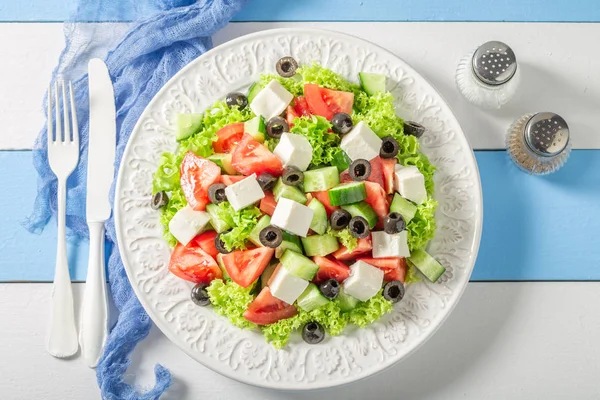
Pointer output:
x,y
61,339
94,313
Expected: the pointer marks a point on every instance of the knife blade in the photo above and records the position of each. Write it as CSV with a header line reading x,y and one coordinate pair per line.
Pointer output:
x,y
100,173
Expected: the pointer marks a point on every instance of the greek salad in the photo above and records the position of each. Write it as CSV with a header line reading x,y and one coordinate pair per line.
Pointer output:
x,y
303,205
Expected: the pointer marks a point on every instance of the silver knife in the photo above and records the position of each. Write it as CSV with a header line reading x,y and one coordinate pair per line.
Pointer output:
x,y
100,173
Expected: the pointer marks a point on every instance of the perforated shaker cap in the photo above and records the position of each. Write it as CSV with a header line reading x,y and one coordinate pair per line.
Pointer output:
x,y
494,63
546,134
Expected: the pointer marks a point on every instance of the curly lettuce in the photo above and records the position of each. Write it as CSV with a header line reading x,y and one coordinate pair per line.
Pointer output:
x,y
316,130
367,312
315,73
421,229
230,300
242,223
176,202
344,237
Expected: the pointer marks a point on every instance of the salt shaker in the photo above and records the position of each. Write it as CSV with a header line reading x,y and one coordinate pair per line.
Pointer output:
x,y
488,77
539,143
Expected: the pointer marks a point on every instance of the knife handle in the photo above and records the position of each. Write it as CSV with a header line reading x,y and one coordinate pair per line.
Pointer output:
x,y
94,312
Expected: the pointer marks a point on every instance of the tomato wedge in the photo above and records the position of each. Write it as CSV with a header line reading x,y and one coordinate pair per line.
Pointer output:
x,y
245,266
197,174
251,157
393,267
228,137
323,197
290,116
330,268
193,264
301,106
364,246
231,179
327,102
376,172
267,309
268,204
206,241
388,166
376,197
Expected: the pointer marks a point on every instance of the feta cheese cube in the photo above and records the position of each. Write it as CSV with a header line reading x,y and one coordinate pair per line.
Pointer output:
x,y
294,151
287,287
410,183
386,245
292,216
364,281
187,223
271,101
361,142
245,192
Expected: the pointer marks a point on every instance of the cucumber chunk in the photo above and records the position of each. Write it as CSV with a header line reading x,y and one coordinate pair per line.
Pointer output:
x,y
372,83
288,242
363,209
257,128
253,91
428,265
262,223
299,265
223,161
218,224
345,301
403,207
319,221
187,125
319,245
222,266
289,192
266,275
311,298
341,161
317,180
347,193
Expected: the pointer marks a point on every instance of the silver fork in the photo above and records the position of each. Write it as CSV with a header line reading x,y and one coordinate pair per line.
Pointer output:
x,y
63,155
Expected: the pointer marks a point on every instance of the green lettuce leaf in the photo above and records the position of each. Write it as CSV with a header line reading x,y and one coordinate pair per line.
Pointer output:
x,y
176,202
411,275
315,73
421,229
166,176
293,85
379,113
316,130
242,223
369,311
231,300
345,237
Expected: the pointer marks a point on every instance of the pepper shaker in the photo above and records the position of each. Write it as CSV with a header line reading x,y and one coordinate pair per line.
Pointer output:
x,y
488,77
539,143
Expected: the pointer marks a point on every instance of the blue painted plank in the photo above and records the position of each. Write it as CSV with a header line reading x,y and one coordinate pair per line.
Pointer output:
x,y
535,228
341,10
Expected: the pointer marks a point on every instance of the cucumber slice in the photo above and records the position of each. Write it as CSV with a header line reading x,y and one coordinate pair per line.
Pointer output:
x,y
317,180
363,209
222,266
218,224
372,83
253,91
311,298
347,193
428,265
223,161
345,301
257,128
319,245
403,207
299,265
262,223
266,275
341,160
288,242
187,125
319,221
289,192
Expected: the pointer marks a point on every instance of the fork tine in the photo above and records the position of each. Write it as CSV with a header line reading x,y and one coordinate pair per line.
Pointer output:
x,y
50,134
57,113
74,126
66,125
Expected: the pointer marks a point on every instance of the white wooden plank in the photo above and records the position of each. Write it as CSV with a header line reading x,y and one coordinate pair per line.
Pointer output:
x,y
503,341
559,71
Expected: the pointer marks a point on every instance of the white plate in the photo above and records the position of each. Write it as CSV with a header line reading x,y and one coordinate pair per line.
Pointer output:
x,y
244,355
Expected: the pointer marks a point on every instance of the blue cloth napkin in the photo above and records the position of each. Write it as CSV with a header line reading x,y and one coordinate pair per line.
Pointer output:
x,y
140,62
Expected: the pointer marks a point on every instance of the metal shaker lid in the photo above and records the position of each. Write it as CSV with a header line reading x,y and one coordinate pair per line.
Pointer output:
x,y
494,63
546,134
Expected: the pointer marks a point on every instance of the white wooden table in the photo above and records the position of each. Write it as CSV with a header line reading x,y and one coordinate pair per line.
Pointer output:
x,y
505,340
